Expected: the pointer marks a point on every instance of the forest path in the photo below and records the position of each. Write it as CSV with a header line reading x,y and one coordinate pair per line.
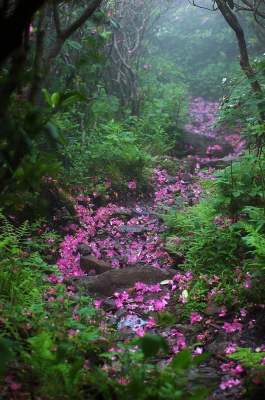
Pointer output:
x,y
118,252
130,234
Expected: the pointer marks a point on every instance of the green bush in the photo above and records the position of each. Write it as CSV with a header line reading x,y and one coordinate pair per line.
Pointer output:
x,y
240,185
110,153
205,245
21,272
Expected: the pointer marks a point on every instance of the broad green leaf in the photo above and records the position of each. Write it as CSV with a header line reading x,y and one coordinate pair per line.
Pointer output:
x,y
55,99
182,360
151,344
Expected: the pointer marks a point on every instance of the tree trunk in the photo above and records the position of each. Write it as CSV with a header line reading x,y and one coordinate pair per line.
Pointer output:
x,y
246,67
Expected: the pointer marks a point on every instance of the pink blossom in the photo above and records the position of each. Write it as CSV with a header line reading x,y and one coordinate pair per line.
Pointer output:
x,y
252,323
198,350
243,312
97,303
150,323
201,337
123,381
248,281
229,383
180,342
262,361
140,286
213,149
132,185
238,369
232,368
73,332
86,364
230,348
195,317
120,299
140,331
231,327
13,385
222,312
115,263
146,66
159,305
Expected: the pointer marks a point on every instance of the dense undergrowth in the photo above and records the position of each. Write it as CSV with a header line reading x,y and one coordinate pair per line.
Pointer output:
x,y
55,344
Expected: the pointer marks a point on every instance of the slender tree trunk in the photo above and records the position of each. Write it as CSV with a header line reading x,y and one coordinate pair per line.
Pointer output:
x,y
233,22
245,64
38,58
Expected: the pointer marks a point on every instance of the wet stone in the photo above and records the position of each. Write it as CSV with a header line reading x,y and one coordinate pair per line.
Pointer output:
x,y
136,229
88,263
132,322
84,249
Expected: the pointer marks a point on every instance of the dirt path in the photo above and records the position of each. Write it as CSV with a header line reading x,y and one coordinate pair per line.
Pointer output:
x,y
109,250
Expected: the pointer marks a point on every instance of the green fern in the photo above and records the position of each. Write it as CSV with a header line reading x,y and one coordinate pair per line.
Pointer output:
x,y
21,273
10,236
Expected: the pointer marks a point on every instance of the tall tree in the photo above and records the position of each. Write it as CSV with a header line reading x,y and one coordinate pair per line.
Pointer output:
x,y
226,7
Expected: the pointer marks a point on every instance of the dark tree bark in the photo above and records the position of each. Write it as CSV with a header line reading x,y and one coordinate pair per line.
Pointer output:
x,y
63,35
38,58
14,22
245,64
233,22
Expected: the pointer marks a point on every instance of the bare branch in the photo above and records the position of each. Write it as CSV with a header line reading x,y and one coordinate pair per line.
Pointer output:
x,y
66,33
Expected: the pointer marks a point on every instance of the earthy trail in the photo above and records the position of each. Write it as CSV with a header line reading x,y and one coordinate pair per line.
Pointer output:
x,y
117,254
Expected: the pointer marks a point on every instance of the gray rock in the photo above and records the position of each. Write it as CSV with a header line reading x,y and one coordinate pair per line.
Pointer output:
x,y
171,180
120,279
88,263
84,249
137,229
187,178
219,162
123,214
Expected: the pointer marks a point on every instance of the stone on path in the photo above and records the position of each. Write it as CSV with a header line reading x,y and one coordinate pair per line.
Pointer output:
x,y
120,279
136,229
88,263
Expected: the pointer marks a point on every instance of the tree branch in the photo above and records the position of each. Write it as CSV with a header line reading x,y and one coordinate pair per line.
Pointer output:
x,y
66,33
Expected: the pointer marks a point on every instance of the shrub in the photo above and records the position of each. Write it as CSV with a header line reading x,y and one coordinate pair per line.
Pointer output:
x,y
241,184
110,154
21,272
206,242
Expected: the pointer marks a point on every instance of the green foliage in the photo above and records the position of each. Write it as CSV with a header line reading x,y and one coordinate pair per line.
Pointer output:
x,y
205,245
243,105
164,106
150,345
197,297
30,144
57,338
125,145
241,184
165,319
7,354
20,272
111,153
146,381
248,358
255,233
